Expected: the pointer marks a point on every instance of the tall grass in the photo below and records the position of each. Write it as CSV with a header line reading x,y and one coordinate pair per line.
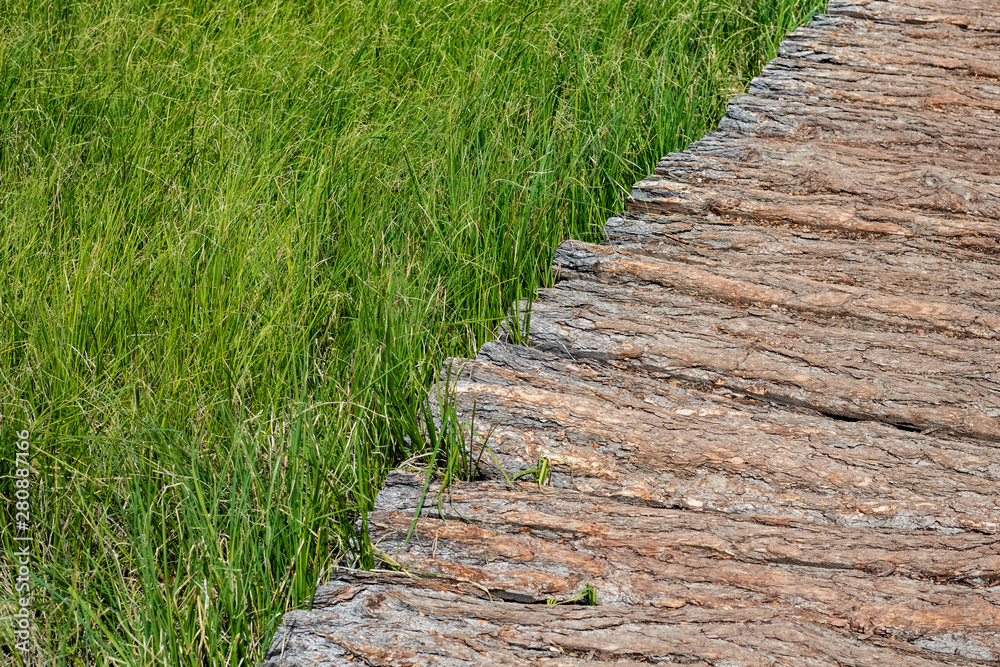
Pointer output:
x,y
239,239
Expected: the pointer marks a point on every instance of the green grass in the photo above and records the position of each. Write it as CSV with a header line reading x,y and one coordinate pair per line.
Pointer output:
x,y
239,239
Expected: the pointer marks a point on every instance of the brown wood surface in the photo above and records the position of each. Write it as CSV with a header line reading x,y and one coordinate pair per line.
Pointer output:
x,y
620,433
761,420
391,619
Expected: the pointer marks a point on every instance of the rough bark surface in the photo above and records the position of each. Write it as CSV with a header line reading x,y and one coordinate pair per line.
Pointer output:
x,y
761,421
624,434
391,619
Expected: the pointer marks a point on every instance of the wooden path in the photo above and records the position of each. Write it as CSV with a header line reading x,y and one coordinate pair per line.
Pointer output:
x,y
769,404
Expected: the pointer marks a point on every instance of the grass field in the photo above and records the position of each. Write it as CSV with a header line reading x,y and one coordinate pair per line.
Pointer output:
x,y
239,239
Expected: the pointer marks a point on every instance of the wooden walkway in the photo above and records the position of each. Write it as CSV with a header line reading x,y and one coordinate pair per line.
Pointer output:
x,y
769,404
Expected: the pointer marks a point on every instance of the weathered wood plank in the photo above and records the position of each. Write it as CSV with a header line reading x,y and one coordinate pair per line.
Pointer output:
x,y
922,190
528,527
840,59
532,544
815,201
783,290
899,265
618,433
926,382
874,66
980,15
395,620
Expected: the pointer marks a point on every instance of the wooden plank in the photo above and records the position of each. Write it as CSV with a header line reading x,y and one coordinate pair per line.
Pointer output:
x,y
533,543
814,201
828,359
924,383
613,544
897,264
782,290
978,15
616,432
395,620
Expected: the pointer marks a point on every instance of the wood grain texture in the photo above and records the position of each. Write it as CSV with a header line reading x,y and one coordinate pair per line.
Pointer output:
x,y
395,620
761,419
622,433
976,15
783,289
788,353
530,544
